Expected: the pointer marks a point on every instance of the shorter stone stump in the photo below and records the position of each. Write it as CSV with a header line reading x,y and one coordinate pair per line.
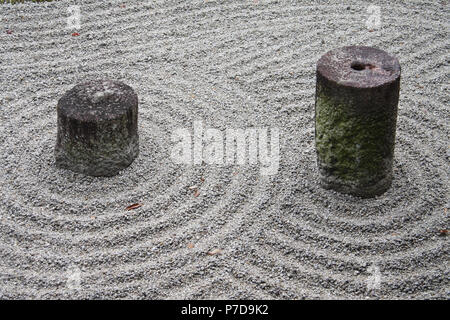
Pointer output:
x,y
97,128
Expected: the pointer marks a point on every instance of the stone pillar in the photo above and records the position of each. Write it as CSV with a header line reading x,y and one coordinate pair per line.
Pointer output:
x,y
357,92
97,128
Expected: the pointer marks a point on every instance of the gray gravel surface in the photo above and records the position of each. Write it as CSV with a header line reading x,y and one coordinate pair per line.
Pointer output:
x,y
233,64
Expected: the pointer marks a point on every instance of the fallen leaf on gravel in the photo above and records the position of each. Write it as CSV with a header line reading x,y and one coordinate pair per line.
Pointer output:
x,y
197,193
443,232
215,252
8,31
190,245
75,34
192,187
133,206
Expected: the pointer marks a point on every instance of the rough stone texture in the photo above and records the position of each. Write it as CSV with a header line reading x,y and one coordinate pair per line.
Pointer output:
x,y
97,128
357,95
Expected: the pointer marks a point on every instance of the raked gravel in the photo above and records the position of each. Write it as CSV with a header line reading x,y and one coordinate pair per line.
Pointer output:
x,y
229,64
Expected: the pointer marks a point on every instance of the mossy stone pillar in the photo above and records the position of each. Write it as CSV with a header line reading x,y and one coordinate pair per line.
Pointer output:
x,y
357,92
97,128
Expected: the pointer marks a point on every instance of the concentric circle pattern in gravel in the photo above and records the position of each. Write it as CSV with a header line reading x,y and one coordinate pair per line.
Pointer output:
x,y
233,64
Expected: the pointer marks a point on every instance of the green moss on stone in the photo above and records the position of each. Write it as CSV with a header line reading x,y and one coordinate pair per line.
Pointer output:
x,y
105,151
352,149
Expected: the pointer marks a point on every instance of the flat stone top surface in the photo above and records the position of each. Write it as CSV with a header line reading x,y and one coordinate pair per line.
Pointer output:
x,y
359,66
97,100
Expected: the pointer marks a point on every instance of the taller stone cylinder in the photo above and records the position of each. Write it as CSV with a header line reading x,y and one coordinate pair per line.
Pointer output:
x,y
357,93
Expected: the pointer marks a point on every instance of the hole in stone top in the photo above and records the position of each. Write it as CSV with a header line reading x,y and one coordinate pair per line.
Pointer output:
x,y
358,66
